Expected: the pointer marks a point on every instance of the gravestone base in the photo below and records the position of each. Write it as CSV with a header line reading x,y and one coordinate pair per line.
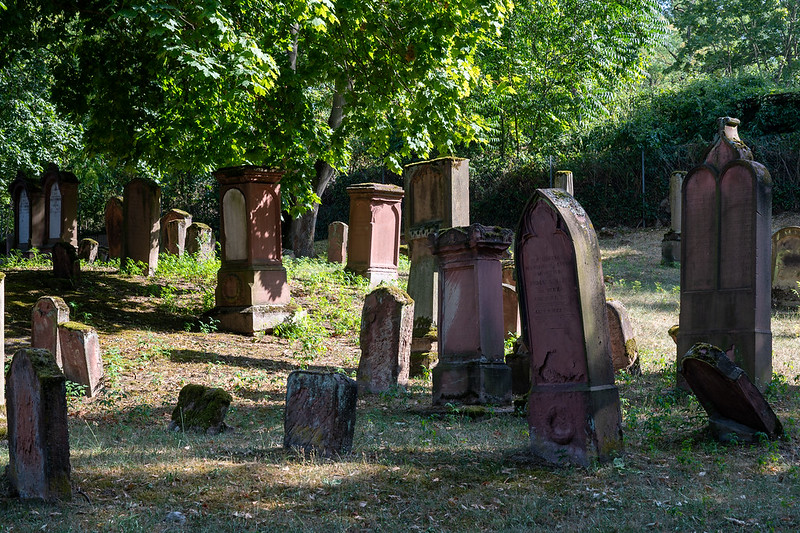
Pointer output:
x,y
471,383
376,274
520,364
420,362
671,248
251,319
252,286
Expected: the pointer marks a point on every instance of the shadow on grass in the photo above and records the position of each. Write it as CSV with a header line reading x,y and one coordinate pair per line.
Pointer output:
x,y
242,361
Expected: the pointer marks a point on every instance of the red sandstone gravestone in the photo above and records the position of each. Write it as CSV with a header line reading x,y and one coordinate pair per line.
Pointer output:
x,y
140,224
563,180
786,267
573,407
88,250
511,323
337,242
174,224
624,354
2,342
80,356
66,264
113,219
671,244
28,205
725,256
47,314
61,206
199,240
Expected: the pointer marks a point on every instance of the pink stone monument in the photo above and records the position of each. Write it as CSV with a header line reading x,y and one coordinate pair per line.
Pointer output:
x,y
573,406
47,314
786,267
28,205
140,223
174,224
471,367
80,356
61,206
252,293
725,256
113,218
337,242
199,240
373,241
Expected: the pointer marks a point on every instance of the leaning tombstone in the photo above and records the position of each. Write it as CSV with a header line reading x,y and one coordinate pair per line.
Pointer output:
x,y
624,353
199,240
320,413
472,368
174,224
201,409
47,314
737,411
386,323
80,356
337,242
141,207
573,405
563,180
38,439
113,219
88,250
61,206
28,205
66,264
786,267
671,244
725,256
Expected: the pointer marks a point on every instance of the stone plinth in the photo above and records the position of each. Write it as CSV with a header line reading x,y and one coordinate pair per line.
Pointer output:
x,y
199,240
573,406
47,314
174,224
252,291
201,409
38,439
320,415
61,206
563,180
471,367
786,267
624,353
80,356
140,224
27,201
725,256
66,264
88,250
373,240
337,242
387,321
113,219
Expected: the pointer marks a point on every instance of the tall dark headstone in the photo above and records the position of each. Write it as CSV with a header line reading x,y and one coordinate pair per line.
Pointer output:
x,y
113,219
141,224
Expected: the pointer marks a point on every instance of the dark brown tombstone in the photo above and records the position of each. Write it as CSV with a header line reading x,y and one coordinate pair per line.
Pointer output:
x,y
113,218
563,180
573,406
28,206
736,409
471,367
436,197
140,224
252,292
88,250
320,413
373,240
199,240
725,256
47,314
80,356
671,244
2,341
337,242
624,353
386,323
786,267
66,264
60,205
173,236
38,439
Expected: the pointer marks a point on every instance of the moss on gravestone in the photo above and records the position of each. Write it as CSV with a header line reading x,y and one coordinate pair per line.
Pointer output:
x,y
201,408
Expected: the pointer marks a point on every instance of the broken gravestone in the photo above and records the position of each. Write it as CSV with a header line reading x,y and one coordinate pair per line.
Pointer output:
x,y
47,314
201,409
387,321
38,439
320,413
736,409
624,354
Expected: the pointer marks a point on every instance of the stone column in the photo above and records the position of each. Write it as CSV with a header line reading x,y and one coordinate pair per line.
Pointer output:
x,y
252,293
113,219
61,206
563,180
373,241
140,222
471,367
671,245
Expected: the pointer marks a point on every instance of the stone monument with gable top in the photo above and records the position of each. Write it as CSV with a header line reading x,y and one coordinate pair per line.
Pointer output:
x,y
61,206
141,208
28,206
113,219
373,240
725,256
252,292
786,267
573,406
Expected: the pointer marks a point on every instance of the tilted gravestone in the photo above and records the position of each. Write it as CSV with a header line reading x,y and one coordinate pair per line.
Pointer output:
x,y
624,353
88,250
786,267
140,224
737,411
337,242
387,321
61,206
47,314
80,356
174,224
28,205
320,413
113,219
38,438
66,264
201,409
725,256
573,406
199,240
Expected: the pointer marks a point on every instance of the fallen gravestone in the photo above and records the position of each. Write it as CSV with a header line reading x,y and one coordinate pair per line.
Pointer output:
x,y
387,321
47,314
88,250
624,354
320,414
786,267
80,356
38,439
337,242
737,411
66,264
201,409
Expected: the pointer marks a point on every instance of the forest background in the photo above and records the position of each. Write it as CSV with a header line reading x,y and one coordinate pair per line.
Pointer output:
x,y
339,92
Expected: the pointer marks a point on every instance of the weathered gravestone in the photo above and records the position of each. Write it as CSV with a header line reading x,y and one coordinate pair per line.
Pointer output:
x,y
88,250
174,224
47,314
386,323
563,180
199,240
786,267
373,240
113,219
725,256
140,224
511,323
252,293
2,343
66,264
573,406
737,411
38,439
471,367
28,205
201,409
671,244
80,356
624,354
61,206
320,413
337,242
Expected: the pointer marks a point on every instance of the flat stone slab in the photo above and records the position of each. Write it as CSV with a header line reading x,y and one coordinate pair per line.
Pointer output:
x,y
736,408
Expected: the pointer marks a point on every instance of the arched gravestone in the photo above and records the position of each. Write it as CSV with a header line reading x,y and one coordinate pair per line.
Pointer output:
x,y
28,206
61,206
573,406
725,256
140,223
113,219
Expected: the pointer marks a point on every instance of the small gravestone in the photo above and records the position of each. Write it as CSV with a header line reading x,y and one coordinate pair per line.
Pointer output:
x,y
624,354
736,409
509,273
199,240
671,244
201,409
141,225
519,361
563,180
88,250
387,321
511,324
38,439
173,231
66,264
786,267
113,219
80,356
2,342
337,242
47,314
320,413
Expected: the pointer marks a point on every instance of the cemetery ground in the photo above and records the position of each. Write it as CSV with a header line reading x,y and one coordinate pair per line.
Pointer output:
x,y
411,468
